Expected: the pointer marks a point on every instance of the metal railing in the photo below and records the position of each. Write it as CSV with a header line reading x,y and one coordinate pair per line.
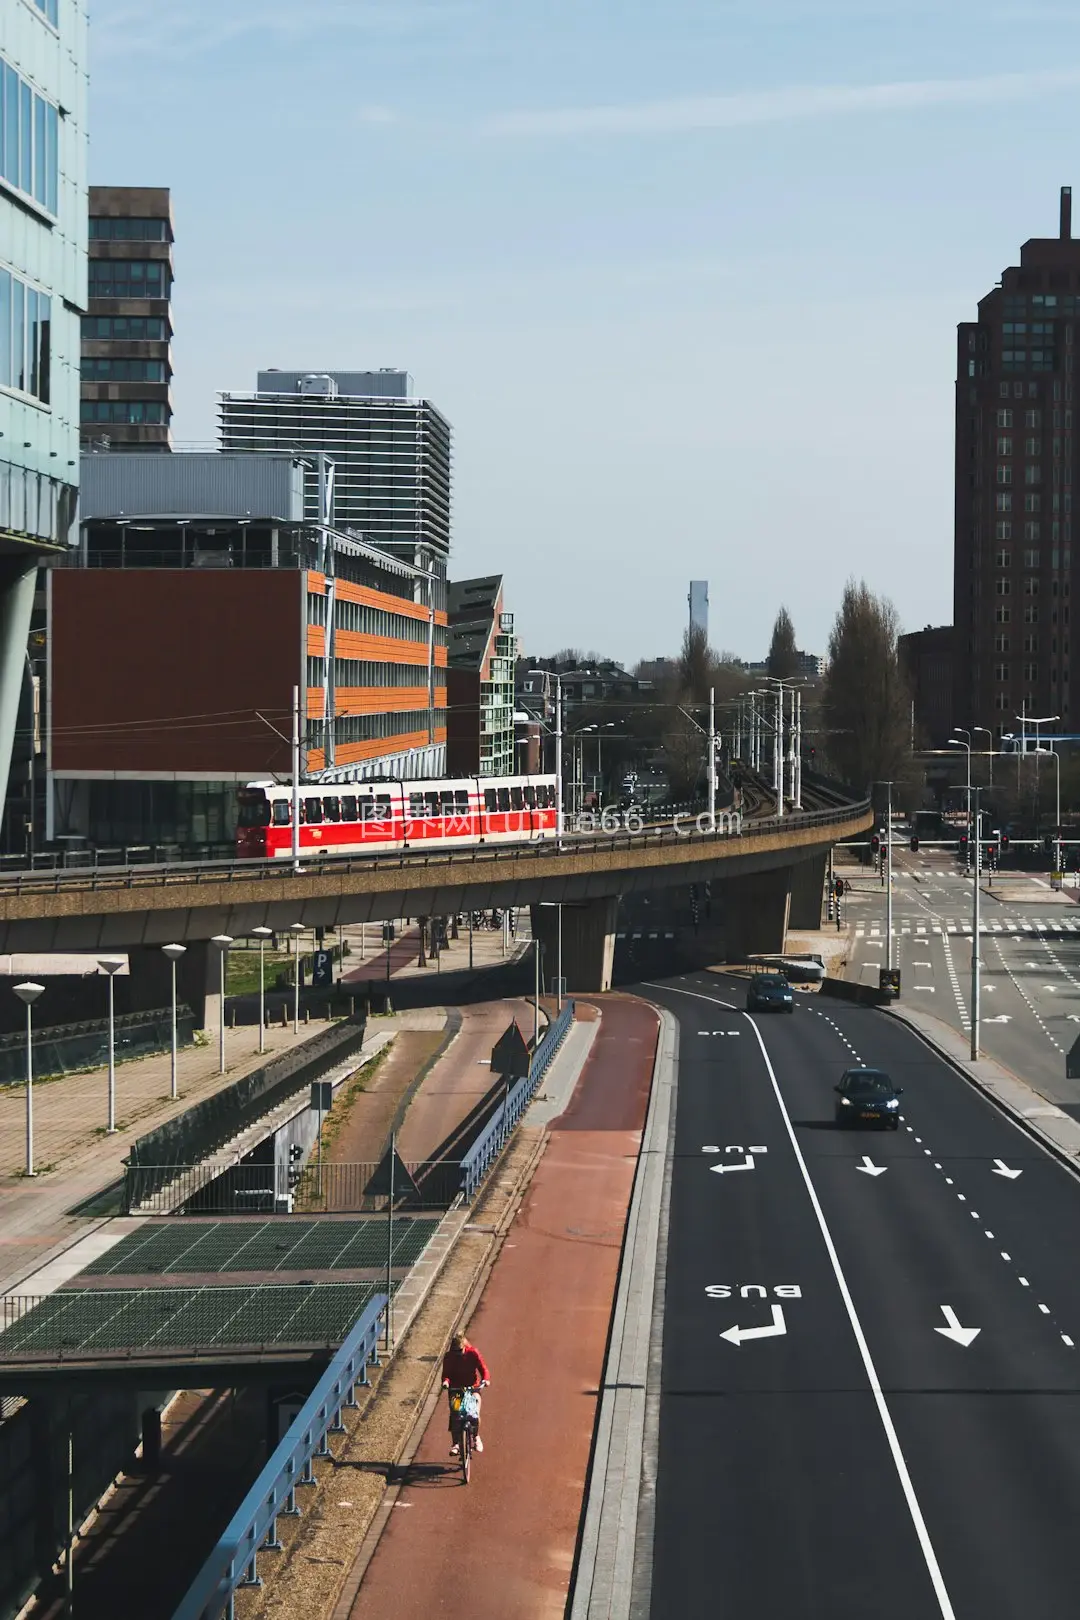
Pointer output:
x,y
253,1527
480,1157
148,1324
275,1189
234,871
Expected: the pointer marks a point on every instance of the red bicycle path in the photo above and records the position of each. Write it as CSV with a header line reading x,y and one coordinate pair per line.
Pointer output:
x,y
502,1548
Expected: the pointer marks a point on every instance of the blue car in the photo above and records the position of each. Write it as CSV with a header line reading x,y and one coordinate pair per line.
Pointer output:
x,y
868,1097
769,993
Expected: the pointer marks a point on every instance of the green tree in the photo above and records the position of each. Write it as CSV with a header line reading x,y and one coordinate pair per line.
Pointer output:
x,y
783,661
866,703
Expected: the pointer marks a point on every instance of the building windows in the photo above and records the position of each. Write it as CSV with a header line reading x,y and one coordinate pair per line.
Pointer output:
x,y
49,9
1033,447
1001,644
1031,673
129,278
1031,557
1001,615
1003,559
1004,475
29,139
1032,475
1033,419
1002,587
1004,445
1031,586
1031,613
25,340
1003,531
1003,502
124,328
96,369
1001,700
129,230
1031,644
1001,672
1005,418
138,411
1032,503
1032,531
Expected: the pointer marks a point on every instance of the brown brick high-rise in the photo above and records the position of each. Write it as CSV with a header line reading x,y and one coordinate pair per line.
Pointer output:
x,y
1016,469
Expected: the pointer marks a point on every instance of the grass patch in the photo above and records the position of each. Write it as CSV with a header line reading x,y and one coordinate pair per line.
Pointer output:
x,y
242,971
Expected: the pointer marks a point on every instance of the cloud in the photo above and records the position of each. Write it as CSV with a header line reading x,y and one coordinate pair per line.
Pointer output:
x,y
199,27
785,105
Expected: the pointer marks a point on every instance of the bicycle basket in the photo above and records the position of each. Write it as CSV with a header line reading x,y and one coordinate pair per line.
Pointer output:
x,y
469,1405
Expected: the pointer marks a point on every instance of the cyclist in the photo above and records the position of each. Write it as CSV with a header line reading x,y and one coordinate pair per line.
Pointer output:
x,y
464,1368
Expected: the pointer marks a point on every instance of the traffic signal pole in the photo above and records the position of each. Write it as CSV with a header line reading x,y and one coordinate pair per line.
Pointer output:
x,y
888,884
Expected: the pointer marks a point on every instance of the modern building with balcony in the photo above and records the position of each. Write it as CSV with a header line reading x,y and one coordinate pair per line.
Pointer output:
x,y
480,679
43,228
127,331
201,597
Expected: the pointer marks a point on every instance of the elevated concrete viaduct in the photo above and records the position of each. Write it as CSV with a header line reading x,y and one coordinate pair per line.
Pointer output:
x,y
771,876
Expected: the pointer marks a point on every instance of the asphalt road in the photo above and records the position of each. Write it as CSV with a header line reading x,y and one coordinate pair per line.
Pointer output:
x,y
1030,954
855,1460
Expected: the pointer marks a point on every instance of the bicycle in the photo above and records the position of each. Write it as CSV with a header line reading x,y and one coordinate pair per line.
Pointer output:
x,y
464,1424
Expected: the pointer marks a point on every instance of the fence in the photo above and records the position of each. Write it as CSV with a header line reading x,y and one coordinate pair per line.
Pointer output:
x,y
253,1528
476,1163
206,1126
65,1048
328,1189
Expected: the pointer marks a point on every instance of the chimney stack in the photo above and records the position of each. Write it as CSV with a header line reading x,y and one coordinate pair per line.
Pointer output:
x,y
1066,213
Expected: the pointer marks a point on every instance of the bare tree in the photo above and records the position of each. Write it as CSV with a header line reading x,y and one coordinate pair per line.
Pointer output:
x,y
783,661
866,700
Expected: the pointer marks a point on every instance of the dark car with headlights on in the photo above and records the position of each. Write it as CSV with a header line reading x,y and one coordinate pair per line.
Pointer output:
x,y
769,993
868,1097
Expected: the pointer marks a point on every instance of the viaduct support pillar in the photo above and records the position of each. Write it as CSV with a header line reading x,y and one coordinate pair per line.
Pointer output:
x,y
808,893
756,913
588,943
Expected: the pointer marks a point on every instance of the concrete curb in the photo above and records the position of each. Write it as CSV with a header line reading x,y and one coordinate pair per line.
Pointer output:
x,y
1042,1120
615,1556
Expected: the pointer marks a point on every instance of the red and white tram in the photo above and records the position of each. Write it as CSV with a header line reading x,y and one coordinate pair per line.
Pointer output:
x,y
358,818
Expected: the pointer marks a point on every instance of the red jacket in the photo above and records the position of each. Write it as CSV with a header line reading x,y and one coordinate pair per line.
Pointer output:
x,y
464,1368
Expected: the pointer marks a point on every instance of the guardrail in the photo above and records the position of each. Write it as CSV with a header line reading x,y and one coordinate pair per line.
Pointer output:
x,y
253,1527
111,878
476,1163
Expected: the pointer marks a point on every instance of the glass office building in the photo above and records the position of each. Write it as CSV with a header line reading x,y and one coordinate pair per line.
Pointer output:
x,y
43,257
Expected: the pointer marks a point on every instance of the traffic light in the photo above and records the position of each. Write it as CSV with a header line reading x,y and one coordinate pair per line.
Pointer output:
x,y
914,842
875,843
1004,842
963,842
1048,844
991,853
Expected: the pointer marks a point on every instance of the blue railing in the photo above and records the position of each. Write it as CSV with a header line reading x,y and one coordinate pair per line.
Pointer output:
x,y
476,1163
253,1528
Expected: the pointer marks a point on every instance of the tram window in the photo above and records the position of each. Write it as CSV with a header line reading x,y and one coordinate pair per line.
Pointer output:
x,y
332,808
314,810
365,809
434,808
348,807
282,812
504,798
382,807
461,799
416,805
254,810
515,798
447,801
549,796
529,794
491,800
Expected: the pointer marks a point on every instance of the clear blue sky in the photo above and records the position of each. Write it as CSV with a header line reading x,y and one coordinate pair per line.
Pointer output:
x,y
683,274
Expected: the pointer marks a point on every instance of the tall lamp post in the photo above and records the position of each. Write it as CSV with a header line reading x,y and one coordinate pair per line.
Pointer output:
x,y
262,935
975,924
296,929
958,742
173,953
222,941
1057,805
989,751
28,994
111,966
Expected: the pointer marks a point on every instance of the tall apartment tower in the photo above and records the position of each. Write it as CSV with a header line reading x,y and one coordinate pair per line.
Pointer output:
x,y
127,329
1016,469
699,605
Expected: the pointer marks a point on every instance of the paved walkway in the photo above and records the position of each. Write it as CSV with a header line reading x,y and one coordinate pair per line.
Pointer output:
x,y
460,1078
503,1549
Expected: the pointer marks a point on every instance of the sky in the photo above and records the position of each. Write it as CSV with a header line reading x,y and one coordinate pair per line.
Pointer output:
x,y
684,275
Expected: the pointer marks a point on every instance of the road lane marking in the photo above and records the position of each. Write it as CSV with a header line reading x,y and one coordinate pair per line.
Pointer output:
x,y
959,1335
1023,1282
776,1329
1000,1168
1066,1340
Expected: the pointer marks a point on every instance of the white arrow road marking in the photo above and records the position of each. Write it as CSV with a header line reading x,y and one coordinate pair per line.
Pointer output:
x,y
958,1334
726,1169
1074,1018
1052,988
1002,1018
1000,1168
924,987
778,1327
869,1168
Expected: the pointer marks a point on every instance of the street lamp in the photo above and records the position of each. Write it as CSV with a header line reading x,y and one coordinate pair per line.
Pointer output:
x,y
958,742
28,994
111,965
557,678
174,953
222,941
1057,806
296,929
262,935
990,750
